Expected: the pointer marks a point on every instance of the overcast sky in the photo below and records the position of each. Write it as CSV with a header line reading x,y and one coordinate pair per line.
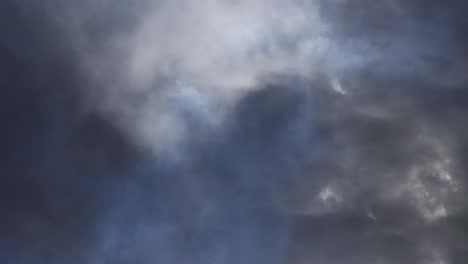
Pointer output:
x,y
233,131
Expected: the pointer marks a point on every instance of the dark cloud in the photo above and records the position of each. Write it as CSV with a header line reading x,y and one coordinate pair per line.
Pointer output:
x,y
356,162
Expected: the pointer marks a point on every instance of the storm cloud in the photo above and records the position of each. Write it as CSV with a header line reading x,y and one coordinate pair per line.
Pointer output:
x,y
240,131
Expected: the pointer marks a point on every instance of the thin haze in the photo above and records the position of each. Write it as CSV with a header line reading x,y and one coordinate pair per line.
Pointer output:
x,y
233,131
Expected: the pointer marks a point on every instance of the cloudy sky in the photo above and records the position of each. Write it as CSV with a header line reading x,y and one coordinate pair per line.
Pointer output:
x,y
233,131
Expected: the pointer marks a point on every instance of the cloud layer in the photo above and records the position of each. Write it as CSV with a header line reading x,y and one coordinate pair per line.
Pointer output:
x,y
233,132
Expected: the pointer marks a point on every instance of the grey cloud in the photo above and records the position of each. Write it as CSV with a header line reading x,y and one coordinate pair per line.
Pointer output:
x,y
333,133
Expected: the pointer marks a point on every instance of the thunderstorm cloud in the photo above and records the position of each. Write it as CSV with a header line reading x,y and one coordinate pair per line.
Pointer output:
x,y
233,131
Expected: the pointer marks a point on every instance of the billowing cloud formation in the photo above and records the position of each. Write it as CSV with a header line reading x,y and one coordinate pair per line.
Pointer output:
x,y
233,132
206,55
